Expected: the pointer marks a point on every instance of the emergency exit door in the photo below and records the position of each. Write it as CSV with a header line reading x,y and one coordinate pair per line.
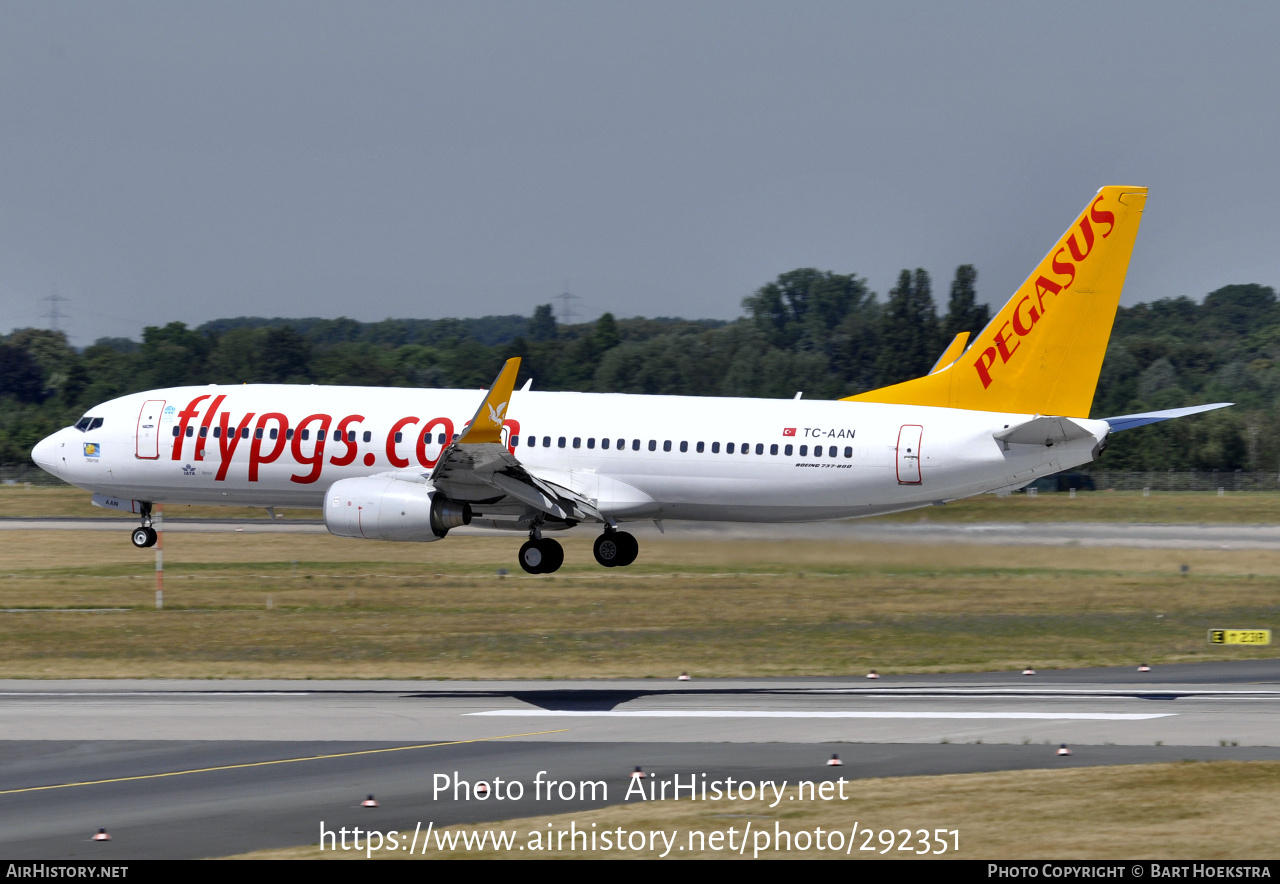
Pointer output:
x,y
909,454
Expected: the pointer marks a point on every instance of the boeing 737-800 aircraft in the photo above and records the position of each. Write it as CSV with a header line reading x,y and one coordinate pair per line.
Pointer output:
x,y
403,464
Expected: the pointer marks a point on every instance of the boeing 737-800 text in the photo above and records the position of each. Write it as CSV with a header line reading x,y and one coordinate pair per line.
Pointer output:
x,y
404,464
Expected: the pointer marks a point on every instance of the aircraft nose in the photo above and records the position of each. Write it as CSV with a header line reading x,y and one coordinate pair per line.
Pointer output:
x,y
45,454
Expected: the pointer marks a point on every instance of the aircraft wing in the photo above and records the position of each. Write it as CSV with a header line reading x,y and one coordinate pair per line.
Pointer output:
x,y
1129,421
479,468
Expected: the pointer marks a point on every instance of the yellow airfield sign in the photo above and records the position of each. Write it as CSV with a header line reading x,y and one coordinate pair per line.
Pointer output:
x,y
1239,636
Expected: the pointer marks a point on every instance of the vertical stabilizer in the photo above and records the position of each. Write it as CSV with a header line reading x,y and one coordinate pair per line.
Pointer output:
x,y
1042,352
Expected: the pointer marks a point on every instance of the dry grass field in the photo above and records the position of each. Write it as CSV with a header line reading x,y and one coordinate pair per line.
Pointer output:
x,y
1189,810
1252,507
76,604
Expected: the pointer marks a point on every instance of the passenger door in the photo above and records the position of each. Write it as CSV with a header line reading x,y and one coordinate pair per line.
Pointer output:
x,y
148,445
909,454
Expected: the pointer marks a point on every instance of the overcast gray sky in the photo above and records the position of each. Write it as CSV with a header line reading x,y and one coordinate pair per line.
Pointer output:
x,y
186,161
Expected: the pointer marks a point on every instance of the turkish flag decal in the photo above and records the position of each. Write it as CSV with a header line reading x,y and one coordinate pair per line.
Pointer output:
x,y
789,431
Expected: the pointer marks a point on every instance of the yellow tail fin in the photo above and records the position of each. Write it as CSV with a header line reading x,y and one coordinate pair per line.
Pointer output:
x,y
1043,351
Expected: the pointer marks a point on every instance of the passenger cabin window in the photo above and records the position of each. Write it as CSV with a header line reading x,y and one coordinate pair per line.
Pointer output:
x,y
728,448
191,431
306,434
635,444
831,452
577,441
288,434
591,441
804,449
217,432
399,436
275,432
715,447
351,435
604,443
244,432
700,447
666,446
773,449
684,446
515,441
368,436
562,440
653,444
787,451
204,431
848,451
622,443
257,433
759,448
746,447
546,441
817,451
439,438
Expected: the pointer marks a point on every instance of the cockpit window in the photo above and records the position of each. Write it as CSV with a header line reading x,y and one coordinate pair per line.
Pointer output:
x,y
83,423
97,422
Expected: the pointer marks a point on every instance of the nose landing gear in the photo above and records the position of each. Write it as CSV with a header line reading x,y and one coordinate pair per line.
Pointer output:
x,y
144,535
616,549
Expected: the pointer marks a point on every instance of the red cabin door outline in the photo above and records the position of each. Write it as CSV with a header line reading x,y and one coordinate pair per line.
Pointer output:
x,y
148,446
909,454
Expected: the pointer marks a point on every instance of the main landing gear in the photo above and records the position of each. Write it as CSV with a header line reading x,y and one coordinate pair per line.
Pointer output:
x,y
541,555
616,549
144,535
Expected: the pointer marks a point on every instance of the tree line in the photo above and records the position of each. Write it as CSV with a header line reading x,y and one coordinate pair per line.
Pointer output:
x,y
819,332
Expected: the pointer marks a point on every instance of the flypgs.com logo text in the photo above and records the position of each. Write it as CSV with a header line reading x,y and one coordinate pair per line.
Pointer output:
x,y
1025,313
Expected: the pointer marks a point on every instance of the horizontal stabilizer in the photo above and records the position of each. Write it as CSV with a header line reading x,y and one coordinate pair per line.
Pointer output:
x,y
1044,431
1129,421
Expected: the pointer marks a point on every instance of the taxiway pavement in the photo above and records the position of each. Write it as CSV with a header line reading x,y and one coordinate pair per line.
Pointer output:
x,y
198,768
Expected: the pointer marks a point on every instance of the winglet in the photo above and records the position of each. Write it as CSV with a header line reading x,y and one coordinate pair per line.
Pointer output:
x,y
952,353
486,426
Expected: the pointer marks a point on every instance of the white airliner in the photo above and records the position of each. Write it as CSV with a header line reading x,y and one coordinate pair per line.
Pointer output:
x,y
404,464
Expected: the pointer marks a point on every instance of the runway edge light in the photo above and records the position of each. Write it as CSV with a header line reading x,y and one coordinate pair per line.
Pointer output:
x,y
102,835
369,802
1063,750
834,761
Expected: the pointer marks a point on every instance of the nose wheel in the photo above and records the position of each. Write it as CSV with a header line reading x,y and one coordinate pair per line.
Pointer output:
x,y
541,556
616,549
144,536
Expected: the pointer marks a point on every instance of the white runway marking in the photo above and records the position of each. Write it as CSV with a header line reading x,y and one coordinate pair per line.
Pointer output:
x,y
755,713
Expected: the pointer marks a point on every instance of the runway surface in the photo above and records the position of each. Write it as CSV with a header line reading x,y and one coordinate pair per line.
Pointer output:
x,y
192,768
1085,534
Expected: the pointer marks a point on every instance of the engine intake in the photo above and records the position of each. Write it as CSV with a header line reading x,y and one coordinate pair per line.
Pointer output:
x,y
381,508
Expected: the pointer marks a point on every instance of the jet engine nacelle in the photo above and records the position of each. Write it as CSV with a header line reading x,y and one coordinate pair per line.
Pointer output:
x,y
381,508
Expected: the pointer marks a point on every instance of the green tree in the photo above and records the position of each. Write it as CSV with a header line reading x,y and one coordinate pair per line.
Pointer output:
x,y
964,313
20,375
908,341
286,356
542,327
